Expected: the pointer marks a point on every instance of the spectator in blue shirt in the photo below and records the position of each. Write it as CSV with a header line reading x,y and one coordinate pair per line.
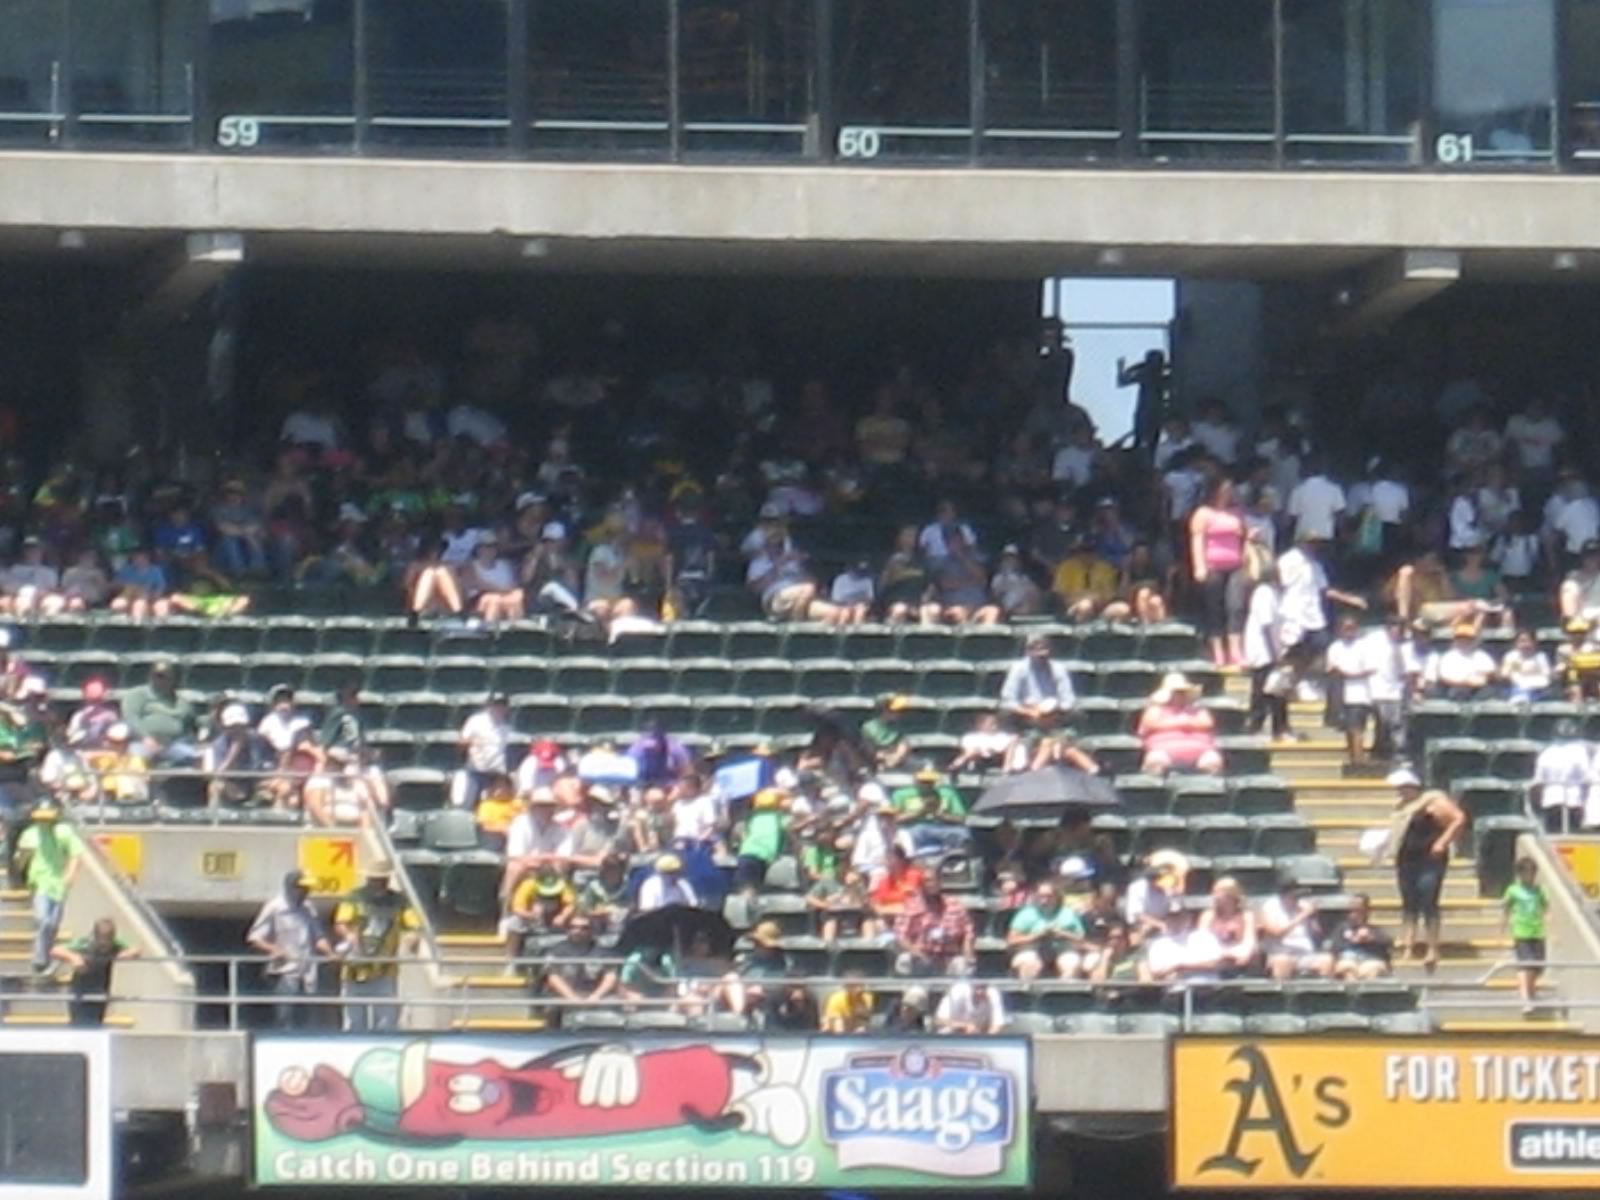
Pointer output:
x,y
140,587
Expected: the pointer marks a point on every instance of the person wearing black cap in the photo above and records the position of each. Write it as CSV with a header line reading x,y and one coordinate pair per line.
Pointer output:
x,y
374,926
288,931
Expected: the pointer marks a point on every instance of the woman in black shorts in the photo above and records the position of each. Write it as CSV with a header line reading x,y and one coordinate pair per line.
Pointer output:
x,y
1433,822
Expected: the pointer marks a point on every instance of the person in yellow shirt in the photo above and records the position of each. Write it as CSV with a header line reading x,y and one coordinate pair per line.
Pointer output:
x,y
849,1009
543,902
373,926
1085,585
497,808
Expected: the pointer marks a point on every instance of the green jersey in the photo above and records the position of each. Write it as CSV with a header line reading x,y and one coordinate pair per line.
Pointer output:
x,y
1525,906
763,836
50,850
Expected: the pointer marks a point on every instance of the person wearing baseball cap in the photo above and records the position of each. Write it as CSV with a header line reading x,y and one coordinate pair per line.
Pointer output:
x,y
289,932
162,718
882,733
665,886
373,926
48,856
238,761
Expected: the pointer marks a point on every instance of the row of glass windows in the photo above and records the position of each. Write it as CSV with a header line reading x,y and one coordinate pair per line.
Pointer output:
x,y
1456,82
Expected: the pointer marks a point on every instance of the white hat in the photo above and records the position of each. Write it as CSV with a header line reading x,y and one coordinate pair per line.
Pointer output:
x,y
119,732
351,512
1075,868
771,511
33,685
872,793
785,778
528,500
234,715
553,531
1403,777
1172,683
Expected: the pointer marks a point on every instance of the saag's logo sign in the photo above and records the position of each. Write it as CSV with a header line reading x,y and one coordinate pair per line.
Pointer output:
x,y
1262,1117
941,1111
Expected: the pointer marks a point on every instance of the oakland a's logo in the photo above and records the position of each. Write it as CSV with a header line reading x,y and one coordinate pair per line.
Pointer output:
x,y
1262,1111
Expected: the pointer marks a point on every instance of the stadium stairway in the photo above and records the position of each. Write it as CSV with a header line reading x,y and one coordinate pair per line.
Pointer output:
x,y
1340,810
471,969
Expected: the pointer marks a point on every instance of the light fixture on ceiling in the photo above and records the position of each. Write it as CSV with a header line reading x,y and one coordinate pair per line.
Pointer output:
x,y
1111,256
536,248
1565,260
72,239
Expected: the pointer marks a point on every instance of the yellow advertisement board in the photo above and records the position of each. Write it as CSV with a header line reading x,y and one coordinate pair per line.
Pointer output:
x,y
1432,1114
125,850
331,863
1582,859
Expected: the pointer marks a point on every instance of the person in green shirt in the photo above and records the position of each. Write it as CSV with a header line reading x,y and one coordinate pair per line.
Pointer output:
x,y
162,718
1525,903
1046,935
933,813
882,733
764,835
49,853
91,960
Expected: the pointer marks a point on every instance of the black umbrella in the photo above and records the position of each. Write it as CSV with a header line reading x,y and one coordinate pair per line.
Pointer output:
x,y
674,928
1047,792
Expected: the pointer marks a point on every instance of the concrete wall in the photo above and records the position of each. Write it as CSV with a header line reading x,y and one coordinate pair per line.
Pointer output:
x,y
988,209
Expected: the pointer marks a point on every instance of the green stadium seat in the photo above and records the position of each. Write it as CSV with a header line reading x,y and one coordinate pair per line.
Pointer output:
x,y
1496,850
825,677
1230,715
722,716
1094,716
1142,795
396,750
262,672
392,640
420,712
74,667
1383,998
458,673
346,635
1159,832
1275,1025
1313,872
1062,997
212,673
519,674
861,642
1431,720
810,640
788,910
705,677
1116,753
397,673
675,712
542,714
1277,835
1030,1023
581,674
115,635
1127,679
1198,796
235,636
1258,795
470,885
987,644
1257,876
439,749
1492,719
1246,755
290,635
330,672
59,635
759,678
960,716
641,643
449,830
917,643
1319,997
1513,758
520,638
783,716
695,639
988,678
1455,758
175,636
1544,716
885,676
1486,796
405,828
642,676
1220,836
1108,643
601,715
1169,643
753,639
946,679
417,789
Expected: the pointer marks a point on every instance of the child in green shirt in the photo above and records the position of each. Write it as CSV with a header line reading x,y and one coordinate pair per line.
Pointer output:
x,y
1525,902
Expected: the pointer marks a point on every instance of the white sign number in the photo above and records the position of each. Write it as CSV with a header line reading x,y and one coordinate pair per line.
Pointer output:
x,y
856,142
1453,148
238,132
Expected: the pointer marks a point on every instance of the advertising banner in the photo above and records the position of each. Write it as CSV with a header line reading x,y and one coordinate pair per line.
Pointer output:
x,y
691,1111
1434,1114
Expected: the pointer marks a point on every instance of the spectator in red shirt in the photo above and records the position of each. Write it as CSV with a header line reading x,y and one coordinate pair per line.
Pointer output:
x,y
900,884
934,936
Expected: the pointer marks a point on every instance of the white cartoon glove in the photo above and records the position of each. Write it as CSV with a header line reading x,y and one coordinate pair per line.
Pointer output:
x,y
608,1078
778,1113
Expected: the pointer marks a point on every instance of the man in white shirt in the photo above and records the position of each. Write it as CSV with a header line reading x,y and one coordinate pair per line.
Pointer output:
x,y
1466,668
1349,664
534,839
1561,777
282,724
1315,505
1181,952
778,575
1073,466
935,538
666,886
311,427
1571,517
485,738
1303,584
1392,682
1214,430
1535,433
971,1008
31,582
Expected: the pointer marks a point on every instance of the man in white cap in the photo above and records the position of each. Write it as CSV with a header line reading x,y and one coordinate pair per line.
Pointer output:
x,y
551,577
239,761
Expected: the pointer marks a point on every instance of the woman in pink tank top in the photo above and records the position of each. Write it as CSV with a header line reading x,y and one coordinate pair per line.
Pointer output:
x,y
1216,556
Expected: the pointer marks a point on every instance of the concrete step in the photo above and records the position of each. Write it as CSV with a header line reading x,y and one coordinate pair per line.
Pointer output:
x,y
489,983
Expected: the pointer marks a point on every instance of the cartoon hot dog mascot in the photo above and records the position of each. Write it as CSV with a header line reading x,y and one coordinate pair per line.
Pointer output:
x,y
407,1094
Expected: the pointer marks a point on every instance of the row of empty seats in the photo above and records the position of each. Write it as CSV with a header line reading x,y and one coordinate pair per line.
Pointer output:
x,y
684,639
